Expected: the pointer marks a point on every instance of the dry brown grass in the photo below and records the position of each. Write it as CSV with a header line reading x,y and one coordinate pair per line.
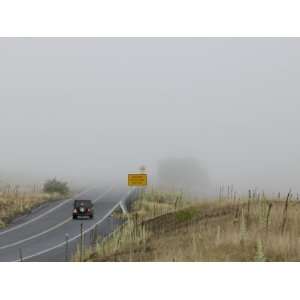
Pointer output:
x,y
16,201
217,230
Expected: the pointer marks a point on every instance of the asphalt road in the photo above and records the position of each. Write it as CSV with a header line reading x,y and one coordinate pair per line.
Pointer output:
x,y
41,235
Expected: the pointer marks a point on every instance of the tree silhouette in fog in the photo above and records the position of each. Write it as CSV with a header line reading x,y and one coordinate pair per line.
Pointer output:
x,y
185,174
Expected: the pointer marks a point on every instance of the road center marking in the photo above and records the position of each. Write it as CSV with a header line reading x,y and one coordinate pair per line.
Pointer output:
x,y
36,235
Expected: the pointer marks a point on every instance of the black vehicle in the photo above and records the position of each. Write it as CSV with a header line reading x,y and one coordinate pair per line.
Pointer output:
x,y
83,208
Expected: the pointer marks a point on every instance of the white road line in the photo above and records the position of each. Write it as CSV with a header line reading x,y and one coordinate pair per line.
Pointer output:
x,y
101,196
77,236
42,215
49,229
36,235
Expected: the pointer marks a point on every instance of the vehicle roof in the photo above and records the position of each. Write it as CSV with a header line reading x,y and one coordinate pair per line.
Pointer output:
x,y
83,200
77,202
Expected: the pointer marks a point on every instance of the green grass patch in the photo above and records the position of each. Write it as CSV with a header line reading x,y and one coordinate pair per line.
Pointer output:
x,y
186,215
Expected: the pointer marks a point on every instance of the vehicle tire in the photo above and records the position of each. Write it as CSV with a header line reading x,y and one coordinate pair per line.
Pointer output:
x,y
91,216
74,217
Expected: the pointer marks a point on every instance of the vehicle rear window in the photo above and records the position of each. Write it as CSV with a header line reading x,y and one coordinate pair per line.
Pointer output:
x,y
85,203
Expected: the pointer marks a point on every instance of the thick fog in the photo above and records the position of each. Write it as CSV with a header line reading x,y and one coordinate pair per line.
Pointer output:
x,y
95,109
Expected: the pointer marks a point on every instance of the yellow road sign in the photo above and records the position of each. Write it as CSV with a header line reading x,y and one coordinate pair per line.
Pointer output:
x,y
137,180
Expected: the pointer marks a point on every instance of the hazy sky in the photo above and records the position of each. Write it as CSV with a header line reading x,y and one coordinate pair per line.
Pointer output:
x,y
82,108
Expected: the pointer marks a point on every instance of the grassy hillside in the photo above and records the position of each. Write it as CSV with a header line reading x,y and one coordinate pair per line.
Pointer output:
x,y
16,201
166,227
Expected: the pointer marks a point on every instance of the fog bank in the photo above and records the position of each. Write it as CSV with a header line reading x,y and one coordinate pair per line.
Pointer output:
x,y
95,109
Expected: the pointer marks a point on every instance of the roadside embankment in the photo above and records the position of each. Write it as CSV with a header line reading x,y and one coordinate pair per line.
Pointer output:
x,y
168,227
15,202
